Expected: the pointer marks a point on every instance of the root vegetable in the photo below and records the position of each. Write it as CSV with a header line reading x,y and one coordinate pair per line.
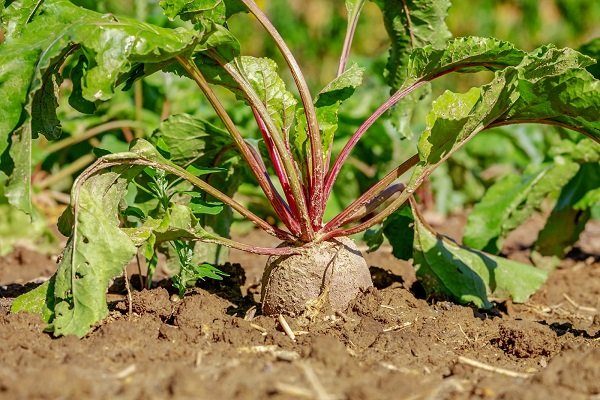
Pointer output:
x,y
334,269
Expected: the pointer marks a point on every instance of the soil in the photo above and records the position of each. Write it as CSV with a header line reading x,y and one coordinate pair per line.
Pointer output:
x,y
389,343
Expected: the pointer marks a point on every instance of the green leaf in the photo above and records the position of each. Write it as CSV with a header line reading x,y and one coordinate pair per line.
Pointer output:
x,y
29,59
463,54
219,40
146,233
373,238
18,14
327,105
554,87
195,10
451,118
513,199
109,40
74,299
456,118
299,138
412,24
178,222
331,97
200,206
44,105
561,231
342,87
76,99
262,74
18,187
15,70
200,171
96,253
469,276
38,301
202,12
571,212
398,228
189,271
189,139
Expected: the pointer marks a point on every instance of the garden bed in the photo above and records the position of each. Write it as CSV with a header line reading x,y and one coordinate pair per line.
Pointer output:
x,y
389,343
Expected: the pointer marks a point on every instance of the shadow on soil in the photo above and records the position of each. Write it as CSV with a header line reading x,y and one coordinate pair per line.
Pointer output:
x,y
563,328
13,290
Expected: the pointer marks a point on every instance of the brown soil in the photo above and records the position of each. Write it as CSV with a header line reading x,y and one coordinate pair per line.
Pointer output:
x,y
389,343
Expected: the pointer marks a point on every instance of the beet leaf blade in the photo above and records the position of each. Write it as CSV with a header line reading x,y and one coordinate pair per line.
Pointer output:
x,y
96,253
470,276
29,59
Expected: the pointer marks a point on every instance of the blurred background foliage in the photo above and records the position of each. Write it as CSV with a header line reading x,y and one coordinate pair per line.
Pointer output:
x,y
314,30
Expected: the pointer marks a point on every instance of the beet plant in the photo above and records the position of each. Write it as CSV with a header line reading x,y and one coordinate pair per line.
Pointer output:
x,y
186,165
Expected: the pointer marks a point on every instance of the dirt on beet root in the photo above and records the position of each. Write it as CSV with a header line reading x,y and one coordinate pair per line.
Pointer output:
x,y
389,343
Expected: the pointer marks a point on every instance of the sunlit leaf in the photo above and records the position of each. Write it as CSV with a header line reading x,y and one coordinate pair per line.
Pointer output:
x,y
187,139
513,199
554,87
517,94
270,88
571,212
29,60
412,24
213,10
470,276
39,301
463,54
327,106
95,254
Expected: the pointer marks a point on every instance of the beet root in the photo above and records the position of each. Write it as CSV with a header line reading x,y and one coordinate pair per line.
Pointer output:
x,y
335,270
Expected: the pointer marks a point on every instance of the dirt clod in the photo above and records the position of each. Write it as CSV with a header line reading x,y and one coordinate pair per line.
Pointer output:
x,y
155,302
526,339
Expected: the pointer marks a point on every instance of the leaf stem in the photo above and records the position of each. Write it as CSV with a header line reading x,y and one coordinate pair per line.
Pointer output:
x,y
349,212
283,150
265,251
316,147
337,166
350,31
114,160
260,174
287,218
277,165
